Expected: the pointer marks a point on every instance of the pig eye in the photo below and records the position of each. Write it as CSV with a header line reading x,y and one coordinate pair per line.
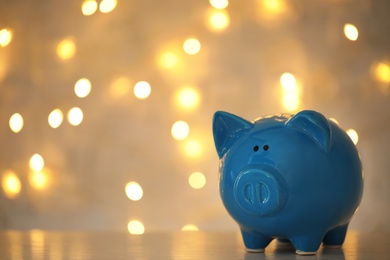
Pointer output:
x,y
256,148
265,147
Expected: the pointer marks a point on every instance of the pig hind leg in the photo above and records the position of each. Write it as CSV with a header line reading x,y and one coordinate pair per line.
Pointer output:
x,y
336,236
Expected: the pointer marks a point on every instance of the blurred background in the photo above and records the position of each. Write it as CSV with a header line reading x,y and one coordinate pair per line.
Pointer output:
x,y
106,106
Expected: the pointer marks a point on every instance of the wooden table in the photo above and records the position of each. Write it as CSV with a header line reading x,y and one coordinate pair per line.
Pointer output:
x,y
37,245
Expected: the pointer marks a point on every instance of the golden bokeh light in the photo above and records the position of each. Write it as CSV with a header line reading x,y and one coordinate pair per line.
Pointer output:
x,y
16,123
351,32
197,180
134,191
38,179
193,149
5,37
353,135
142,89
75,116
189,227
55,118
135,227
89,7
36,163
82,88
288,81
168,60
180,130
107,6
11,184
219,4
271,9
187,98
66,49
120,87
191,46
290,92
291,102
382,72
218,20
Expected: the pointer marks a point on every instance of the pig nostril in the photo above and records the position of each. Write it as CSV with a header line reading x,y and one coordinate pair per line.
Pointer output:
x,y
256,148
265,147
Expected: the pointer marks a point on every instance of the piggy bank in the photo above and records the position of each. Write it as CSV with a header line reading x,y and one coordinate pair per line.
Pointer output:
x,y
291,177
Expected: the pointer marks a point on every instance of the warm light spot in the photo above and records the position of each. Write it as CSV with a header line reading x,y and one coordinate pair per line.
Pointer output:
x,y
120,87
197,180
82,87
193,149
219,4
288,81
5,37
135,227
271,9
55,118
89,7
334,120
218,20
11,184
191,46
107,6
353,135
189,227
134,191
180,130
187,98
168,60
142,89
16,123
351,32
36,163
66,49
382,72
75,116
38,180
290,101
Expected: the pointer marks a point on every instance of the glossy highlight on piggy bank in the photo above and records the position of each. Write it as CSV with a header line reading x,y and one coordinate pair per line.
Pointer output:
x,y
290,177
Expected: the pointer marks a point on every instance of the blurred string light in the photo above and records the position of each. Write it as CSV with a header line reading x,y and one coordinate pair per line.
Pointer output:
x,y
66,49
55,118
191,46
353,135
271,9
351,32
82,87
193,149
135,227
11,184
219,4
16,123
142,89
39,180
134,191
382,72
218,20
120,87
107,6
5,37
197,180
168,60
36,163
187,98
189,227
75,116
180,130
290,92
89,7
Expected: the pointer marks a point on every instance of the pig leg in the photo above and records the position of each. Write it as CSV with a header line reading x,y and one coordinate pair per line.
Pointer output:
x,y
336,236
307,244
255,242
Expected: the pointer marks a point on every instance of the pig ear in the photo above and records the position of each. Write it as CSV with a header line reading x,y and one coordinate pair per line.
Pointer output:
x,y
226,128
315,125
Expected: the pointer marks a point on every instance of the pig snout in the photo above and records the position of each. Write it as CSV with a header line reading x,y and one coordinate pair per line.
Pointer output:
x,y
260,191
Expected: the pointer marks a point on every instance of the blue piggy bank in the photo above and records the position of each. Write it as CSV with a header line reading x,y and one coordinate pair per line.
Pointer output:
x,y
291,177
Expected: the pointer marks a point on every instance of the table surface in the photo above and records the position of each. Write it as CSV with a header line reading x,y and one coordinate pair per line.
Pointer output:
x,y
36,244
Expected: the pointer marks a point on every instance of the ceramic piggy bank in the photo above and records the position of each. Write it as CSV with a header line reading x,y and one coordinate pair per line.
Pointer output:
x,y
291,177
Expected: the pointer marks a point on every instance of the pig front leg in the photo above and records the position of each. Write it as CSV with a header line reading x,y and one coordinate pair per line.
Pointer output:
x,y
255,242
335,237
307,244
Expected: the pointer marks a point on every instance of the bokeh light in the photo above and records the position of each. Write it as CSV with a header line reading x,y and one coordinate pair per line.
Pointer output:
x,y
5,37
187,98
218,20
16,123
11,184
288,81
353,135
272,9
291,101
191,46
351,32
120,87
36,163
142,89
290,92
168,60
75,116
180,130
197,180
135,227
134,191
89,7
66,49
82,87
107,6
55,118
189,227
219,4
382,72
193,149
38,179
